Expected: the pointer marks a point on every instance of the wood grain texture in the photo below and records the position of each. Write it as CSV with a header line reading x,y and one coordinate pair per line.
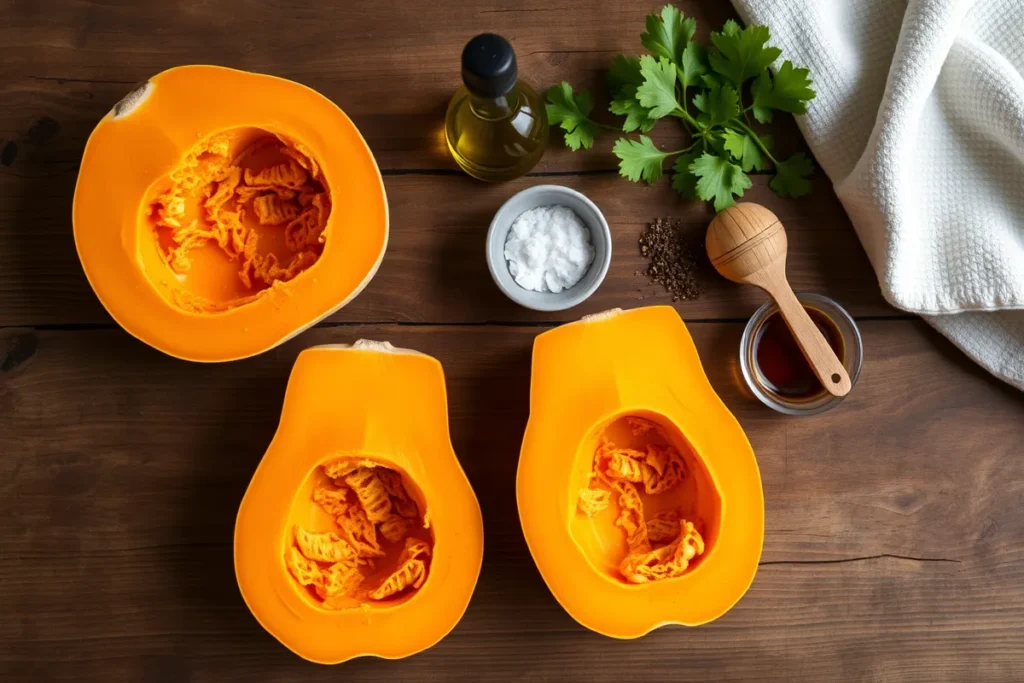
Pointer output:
x,y
435,270
392,66
894,545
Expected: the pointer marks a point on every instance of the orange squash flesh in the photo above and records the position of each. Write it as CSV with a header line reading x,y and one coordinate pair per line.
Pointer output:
x,y
243,200
219,212
655,494
376,544
382,406
587,378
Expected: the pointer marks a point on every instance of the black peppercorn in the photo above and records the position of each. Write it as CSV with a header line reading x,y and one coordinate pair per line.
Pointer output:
x,y
672,263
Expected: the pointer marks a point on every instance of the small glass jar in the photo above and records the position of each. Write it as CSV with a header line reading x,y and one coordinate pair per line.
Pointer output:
x,y
850,352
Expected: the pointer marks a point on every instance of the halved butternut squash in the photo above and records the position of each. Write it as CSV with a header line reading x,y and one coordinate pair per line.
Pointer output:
x,y
359,533
219,212
638,493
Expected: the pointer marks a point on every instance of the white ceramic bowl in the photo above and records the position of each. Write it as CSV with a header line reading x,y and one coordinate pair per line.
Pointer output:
x,y
548,195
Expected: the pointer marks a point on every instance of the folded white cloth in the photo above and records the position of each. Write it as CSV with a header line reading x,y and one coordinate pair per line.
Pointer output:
x,y
919,122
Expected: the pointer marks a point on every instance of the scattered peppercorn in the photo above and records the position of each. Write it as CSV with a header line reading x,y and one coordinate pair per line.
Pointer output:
x,y
671,258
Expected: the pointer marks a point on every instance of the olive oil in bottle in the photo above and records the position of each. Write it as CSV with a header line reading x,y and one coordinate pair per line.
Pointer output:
x,y
496,126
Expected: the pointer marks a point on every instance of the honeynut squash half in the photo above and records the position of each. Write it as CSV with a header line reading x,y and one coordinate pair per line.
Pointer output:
x,y
219,212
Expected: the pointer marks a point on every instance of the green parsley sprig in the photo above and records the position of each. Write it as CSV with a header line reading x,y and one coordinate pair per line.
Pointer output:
x,y
713,91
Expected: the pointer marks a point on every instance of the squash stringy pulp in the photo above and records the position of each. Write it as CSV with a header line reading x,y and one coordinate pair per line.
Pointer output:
x,y
661,547
372,509
289,196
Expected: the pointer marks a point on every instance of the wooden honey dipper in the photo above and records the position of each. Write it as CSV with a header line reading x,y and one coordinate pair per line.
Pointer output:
x,y
747,243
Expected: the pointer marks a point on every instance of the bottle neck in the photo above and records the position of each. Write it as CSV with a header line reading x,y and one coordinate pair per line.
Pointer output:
x,y
493,108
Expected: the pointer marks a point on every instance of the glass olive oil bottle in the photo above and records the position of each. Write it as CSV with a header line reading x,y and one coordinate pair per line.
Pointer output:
x,y
496,127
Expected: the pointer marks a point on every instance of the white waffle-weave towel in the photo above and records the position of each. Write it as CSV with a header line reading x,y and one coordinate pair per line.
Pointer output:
x,y
919,123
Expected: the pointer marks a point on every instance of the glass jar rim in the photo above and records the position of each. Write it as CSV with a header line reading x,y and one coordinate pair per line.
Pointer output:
x,y
853,357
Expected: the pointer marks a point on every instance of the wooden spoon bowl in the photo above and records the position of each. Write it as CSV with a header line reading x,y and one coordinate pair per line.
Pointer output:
x,y
747,243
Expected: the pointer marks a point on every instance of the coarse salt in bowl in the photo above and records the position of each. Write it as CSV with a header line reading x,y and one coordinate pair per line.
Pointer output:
x,y
549,196
548,249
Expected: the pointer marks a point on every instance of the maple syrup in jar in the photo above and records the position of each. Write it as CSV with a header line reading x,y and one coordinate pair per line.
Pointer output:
x,y
775,368
780,361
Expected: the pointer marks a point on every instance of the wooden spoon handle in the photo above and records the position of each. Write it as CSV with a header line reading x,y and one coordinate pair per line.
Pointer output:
x,y
823,360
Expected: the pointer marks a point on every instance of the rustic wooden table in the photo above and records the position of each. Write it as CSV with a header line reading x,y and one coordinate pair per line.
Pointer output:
x,y
894,535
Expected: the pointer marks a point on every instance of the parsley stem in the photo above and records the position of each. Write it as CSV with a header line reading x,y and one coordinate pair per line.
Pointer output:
x,y
757,141
685,116
743,110
604,125
681,112
674,153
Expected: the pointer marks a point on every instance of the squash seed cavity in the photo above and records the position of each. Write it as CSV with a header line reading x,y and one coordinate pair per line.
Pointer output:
x,y
664,545
244,212
380,550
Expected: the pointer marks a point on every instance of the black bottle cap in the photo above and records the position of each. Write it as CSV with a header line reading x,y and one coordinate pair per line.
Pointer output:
x,y
489,65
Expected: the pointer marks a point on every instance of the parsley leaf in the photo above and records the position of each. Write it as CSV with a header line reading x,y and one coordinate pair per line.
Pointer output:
x,y
791,176
683,181
719,180
763,84
789,90
658,92
624,72
637,116
667,35
742,53
581,136
692,66
639,159
571,113
743,149
711,80
718,105
624,78
706,87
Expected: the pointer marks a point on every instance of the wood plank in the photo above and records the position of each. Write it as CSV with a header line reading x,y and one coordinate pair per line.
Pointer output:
x,y
389,64
894,545
435,270
61,75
